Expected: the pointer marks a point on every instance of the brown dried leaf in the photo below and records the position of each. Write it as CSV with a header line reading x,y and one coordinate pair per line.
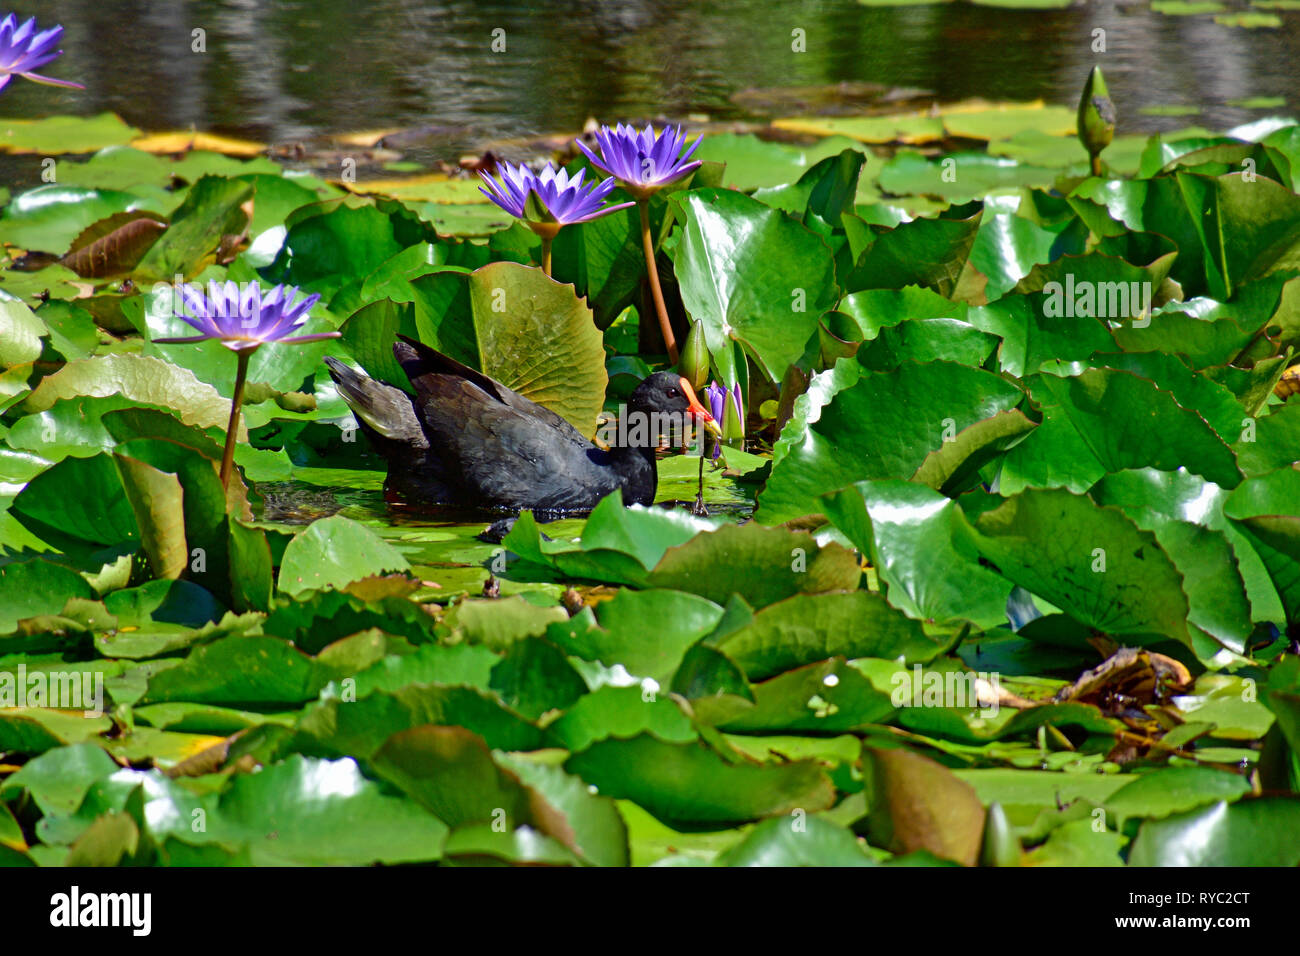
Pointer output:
x,y
1288,384
1130,678
112,246
380,586
208,760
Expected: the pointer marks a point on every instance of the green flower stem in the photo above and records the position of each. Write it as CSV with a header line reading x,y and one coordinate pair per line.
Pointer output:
x,y
232,429
546,254
652,273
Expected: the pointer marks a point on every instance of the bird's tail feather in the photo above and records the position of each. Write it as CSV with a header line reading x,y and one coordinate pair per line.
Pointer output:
x,y
383,409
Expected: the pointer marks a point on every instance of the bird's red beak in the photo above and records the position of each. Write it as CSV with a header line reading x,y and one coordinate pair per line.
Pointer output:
x,y
697,410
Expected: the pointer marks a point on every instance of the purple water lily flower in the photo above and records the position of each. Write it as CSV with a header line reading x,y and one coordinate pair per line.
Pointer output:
x,y
245,319
717,398
22,50
560,200
732,426
549,200
643,160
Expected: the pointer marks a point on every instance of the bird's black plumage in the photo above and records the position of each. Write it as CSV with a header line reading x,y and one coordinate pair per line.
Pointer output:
x,y
467,441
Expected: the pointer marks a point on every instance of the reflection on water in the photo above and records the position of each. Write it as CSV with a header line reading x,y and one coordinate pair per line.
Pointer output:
x,y
283,70
290,503
297,502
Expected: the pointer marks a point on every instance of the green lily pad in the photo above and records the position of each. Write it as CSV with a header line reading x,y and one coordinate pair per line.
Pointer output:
x,y
854,425
808,628
1091,562
48,218
1223,834
617,544
1261,508
761,565
751,275
145,380
319,812
499,319
1077,443
620,713
54,135
58,779
334,552
800,840
912,536
335,727
693,786
1163,793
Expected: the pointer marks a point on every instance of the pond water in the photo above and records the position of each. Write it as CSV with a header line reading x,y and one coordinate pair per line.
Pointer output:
x,y
286,70
445,550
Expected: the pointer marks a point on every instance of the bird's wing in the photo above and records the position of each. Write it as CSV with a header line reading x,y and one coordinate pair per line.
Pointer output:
x,y
507,459
420,362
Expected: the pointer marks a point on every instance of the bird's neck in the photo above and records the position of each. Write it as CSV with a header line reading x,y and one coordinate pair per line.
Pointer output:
x,y
639,473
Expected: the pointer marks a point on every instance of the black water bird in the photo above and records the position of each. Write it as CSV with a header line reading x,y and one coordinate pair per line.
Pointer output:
x,y
467,441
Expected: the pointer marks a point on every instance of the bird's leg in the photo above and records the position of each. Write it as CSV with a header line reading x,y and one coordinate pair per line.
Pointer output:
x,y
698,508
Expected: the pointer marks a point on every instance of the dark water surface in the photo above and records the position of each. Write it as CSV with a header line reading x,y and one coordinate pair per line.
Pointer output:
x,y
285,70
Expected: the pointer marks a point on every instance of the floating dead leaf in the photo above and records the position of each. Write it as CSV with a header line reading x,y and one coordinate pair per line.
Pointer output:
x,y
1131,678
380,586
208,760
1288,384
113,246
187,141
24,261
365,138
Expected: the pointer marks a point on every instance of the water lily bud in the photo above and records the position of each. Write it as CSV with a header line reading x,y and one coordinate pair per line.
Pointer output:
x,y
733,418
1001,846
716,396
694,363
1096,120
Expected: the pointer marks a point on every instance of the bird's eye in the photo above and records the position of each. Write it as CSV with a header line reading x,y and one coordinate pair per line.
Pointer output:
x,y
673,393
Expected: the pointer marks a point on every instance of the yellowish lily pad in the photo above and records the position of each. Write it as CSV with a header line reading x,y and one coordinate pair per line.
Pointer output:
x,y
186,141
